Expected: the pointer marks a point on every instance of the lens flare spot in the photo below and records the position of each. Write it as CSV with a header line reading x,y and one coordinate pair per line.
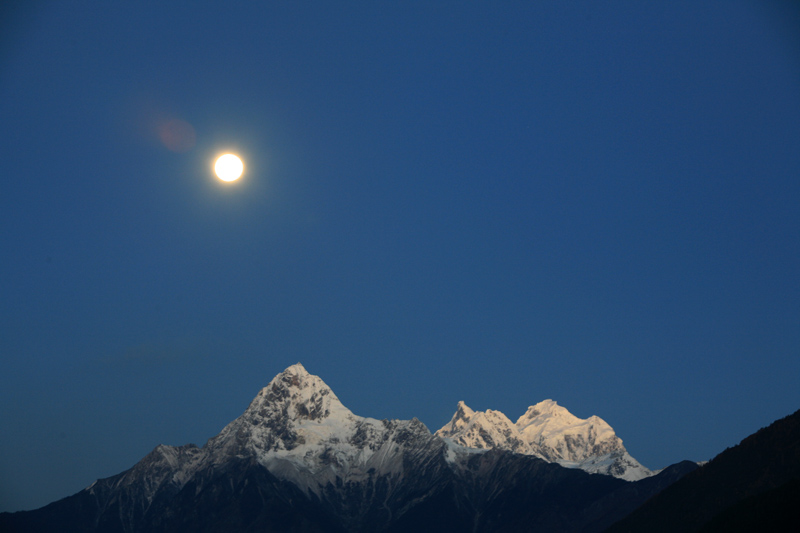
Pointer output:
x,y
177,135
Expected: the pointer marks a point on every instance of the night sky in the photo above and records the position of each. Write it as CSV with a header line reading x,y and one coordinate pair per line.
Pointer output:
x,y
501,203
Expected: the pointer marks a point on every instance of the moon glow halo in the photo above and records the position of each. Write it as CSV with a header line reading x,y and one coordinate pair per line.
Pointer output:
x,y
228,167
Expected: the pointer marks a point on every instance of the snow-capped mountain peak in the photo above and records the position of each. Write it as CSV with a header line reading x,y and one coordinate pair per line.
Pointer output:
x,y
484,430
550,432
298,395
462,418
560,435
297,428
295,409
545,408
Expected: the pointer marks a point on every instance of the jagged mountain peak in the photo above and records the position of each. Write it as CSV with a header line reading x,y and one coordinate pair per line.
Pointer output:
x,y
462,416
297,395
550,432
277,416
296,369
483,430
297,428
462,406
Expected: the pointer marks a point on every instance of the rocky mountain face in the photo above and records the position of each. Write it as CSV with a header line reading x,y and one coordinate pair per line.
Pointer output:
x,y
550,432
299,460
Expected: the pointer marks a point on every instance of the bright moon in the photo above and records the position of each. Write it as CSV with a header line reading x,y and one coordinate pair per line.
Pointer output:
x,y
228,167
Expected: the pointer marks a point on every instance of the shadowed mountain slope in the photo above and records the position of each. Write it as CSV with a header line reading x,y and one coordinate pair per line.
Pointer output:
x,y
742,485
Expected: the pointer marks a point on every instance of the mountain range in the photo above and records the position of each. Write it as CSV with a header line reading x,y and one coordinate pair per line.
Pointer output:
x,y
550,432
299,460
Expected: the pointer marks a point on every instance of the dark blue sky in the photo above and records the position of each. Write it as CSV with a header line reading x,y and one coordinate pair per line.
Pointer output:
x,y
598,204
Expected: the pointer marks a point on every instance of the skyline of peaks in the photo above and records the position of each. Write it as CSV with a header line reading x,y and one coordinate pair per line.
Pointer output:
x,y
298,416
297,456
550,432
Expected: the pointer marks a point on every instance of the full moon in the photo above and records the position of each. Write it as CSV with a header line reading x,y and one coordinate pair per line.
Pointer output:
x,y
228,167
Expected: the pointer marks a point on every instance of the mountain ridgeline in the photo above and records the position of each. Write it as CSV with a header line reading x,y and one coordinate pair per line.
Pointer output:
x,y
299,460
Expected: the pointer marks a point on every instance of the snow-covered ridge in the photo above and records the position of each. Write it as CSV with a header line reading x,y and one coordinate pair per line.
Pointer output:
x,y
550,432
297,428
297,453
